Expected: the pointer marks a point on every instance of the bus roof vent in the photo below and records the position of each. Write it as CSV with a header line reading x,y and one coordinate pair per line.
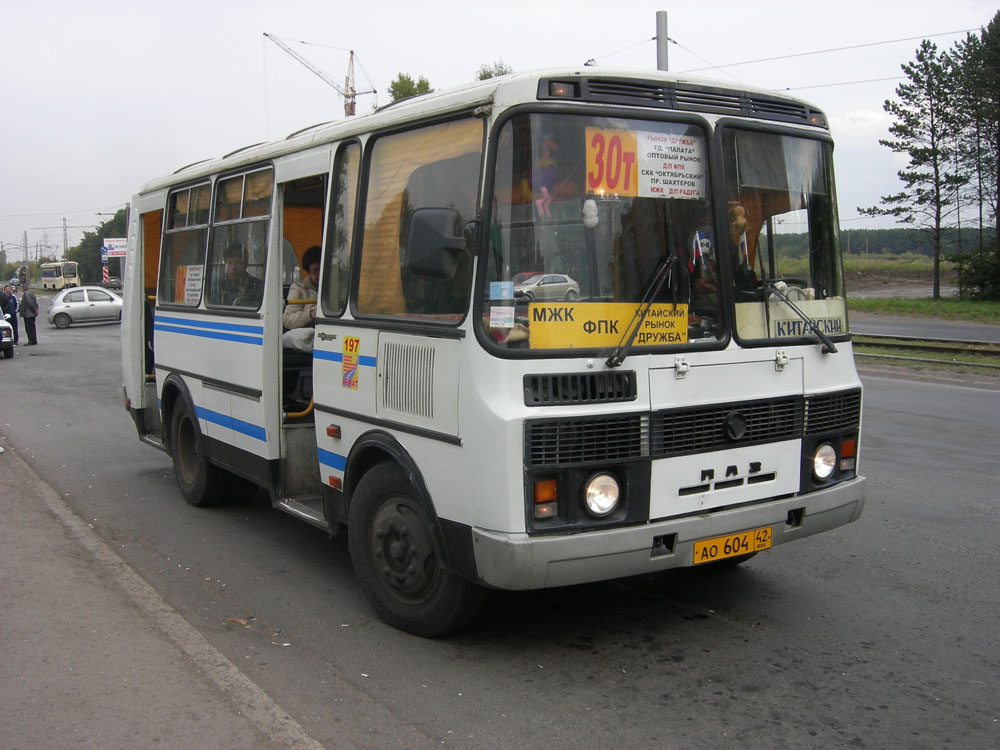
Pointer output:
x,y
679,95
711,100
634,92
579,388
774,109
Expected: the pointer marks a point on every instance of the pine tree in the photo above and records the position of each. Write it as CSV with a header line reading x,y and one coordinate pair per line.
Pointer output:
x,y
976,61
404,87
924,130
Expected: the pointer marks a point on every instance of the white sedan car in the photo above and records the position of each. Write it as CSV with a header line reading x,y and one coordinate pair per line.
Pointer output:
x,y
84,304
547,286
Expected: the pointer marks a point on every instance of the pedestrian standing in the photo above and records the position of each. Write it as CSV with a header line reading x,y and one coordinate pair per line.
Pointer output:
x,y
12,308
29,311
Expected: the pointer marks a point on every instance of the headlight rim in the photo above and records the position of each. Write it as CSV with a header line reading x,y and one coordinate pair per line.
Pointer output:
x,y
823,469
589,485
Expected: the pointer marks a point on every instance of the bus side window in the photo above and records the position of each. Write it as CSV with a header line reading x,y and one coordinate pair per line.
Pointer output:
x,y
340,228
184,239
436,166
238,247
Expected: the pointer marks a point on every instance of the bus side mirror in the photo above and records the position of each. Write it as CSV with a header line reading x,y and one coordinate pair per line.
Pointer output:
x,y
434,243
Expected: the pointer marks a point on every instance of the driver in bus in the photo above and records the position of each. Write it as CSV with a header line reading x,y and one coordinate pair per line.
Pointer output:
x,y
237,287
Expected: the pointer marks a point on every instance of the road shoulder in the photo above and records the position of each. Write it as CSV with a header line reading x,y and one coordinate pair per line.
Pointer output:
x,y
93,656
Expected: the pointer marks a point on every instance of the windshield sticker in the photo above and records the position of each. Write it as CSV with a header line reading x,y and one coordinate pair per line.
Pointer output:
x,y
501,317
590,325
645,164
502,290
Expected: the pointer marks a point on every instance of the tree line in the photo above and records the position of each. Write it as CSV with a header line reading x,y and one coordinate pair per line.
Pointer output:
x,y
947,123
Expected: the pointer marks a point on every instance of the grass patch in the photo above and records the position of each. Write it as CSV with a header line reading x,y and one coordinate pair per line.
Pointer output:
x,y
947,309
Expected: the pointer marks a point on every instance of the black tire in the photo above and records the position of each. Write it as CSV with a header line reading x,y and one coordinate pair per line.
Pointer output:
x,y
200,482
62,320
9,353
571,295
398,561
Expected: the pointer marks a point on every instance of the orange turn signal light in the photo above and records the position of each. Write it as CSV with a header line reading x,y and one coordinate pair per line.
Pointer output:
x,y
546,491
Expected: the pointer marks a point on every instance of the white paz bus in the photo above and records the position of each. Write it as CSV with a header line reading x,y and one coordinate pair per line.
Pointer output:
x,y
570,326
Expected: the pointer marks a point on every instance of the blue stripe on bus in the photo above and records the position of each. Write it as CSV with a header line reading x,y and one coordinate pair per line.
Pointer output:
x,y
338,357
209,334
236,425
236,327
333,460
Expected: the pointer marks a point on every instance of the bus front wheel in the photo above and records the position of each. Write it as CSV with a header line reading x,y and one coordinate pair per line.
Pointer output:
x,y
200,482
398,561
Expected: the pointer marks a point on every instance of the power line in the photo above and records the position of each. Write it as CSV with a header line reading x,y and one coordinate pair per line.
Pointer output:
x,y
831,49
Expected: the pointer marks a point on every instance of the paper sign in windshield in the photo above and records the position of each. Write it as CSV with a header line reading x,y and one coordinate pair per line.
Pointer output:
x,y
187,284
554,325
645,164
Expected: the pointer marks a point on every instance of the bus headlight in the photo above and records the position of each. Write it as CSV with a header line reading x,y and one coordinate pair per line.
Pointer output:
x,y
601,495
824,462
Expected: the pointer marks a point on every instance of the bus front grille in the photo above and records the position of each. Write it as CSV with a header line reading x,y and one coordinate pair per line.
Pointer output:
x,y
833,412
556,442
676,432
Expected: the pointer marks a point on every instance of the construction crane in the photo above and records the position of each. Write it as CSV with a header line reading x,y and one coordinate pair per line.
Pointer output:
x,y
347,90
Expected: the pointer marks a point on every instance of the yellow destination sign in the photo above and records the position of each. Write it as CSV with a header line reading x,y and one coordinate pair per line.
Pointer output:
x,y
596,325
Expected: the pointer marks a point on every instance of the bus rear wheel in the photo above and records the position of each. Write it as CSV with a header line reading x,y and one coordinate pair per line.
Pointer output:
x,y
398,560
200,482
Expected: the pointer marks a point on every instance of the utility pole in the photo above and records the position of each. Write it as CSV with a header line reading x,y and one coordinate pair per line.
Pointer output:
x,y
661,40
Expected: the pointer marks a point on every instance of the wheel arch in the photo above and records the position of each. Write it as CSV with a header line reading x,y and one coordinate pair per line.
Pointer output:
x,y
174,389
376,447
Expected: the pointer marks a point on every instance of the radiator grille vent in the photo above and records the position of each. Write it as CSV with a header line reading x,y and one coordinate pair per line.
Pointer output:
x,y
578,441
676,432
408,379
833,412
700,430
583,388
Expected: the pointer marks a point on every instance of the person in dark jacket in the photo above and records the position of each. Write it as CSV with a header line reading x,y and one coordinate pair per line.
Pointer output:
x,y
29,311
11,308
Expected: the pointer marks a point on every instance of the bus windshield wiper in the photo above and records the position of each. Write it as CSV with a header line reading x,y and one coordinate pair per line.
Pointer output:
x,y
828,347
662,272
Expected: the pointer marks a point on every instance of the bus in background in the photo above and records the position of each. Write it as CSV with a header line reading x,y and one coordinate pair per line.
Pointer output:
x,y
59,275
570,326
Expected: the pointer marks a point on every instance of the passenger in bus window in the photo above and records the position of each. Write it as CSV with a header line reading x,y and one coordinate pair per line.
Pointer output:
x,y
300,311
237,287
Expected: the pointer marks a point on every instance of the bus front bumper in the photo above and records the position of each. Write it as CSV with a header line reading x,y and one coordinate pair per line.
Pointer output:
x,y
517,561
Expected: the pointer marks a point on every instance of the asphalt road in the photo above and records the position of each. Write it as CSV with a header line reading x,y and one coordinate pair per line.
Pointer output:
x,y
880,634
933,328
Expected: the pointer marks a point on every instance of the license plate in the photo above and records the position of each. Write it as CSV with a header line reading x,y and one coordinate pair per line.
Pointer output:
x,y
731,545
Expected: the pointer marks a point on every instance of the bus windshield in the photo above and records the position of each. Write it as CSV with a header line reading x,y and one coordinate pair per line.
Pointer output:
x,y
58,269
590,215
782,235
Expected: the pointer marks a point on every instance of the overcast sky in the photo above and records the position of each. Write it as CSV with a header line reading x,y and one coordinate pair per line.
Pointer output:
x,y
99,97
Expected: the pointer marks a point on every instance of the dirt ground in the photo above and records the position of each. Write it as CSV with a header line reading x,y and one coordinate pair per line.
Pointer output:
x,y
899,283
